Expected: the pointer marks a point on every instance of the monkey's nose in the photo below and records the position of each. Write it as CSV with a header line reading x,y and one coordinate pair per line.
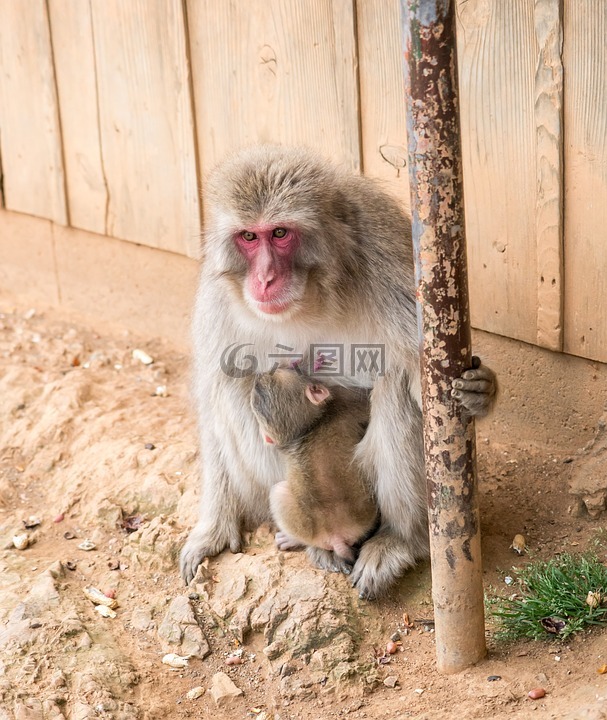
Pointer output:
x,y
265,280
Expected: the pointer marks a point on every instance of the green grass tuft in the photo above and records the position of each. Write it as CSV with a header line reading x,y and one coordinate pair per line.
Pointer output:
x,y
554,593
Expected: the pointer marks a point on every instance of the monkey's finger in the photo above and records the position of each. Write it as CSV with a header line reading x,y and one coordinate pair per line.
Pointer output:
x,y
478,386
236,546
481,373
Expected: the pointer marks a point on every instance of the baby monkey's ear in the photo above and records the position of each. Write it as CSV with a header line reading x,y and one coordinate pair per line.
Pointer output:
x,y
317,394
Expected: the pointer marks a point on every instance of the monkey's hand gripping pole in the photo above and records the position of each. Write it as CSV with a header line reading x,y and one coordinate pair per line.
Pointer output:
x,y
444,325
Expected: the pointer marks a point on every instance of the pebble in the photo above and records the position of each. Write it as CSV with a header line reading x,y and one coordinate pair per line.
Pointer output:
x,y
176,661
391,681
87,545
392,647
536,693
234,660
105,611
195,693
59,518
493,678
142,356
21,541
150,446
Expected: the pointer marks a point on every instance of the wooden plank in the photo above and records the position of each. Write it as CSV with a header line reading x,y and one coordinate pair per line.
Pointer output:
x,y
585,56
146,123
382,98
549,169
497,64
270,71
30,135
74,55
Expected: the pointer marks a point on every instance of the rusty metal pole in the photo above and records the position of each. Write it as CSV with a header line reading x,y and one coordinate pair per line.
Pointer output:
x,y
437,209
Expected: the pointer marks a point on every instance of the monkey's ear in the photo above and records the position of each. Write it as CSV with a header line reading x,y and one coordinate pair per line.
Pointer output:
x,y
317,394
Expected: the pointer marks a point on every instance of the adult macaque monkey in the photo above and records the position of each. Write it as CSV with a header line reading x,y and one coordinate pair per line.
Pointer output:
x,y
299,253
325,502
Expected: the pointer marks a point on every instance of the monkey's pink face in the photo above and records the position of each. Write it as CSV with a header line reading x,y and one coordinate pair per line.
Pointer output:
x,y
269,251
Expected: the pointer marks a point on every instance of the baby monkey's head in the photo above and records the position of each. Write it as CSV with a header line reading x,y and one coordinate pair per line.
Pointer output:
x,y
287,404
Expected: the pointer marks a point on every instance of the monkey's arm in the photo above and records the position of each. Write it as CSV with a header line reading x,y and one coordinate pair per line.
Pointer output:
x,y
219,525
476,389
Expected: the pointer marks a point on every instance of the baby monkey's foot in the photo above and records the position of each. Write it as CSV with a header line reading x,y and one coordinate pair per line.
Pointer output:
x,y
286,542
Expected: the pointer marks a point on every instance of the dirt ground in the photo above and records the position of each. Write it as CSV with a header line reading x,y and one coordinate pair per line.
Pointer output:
x,y
91,436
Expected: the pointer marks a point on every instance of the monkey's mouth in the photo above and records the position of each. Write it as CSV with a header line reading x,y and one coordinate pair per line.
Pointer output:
x,y
273,307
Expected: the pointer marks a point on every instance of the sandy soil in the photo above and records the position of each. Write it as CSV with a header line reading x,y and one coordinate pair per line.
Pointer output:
x,y
90,436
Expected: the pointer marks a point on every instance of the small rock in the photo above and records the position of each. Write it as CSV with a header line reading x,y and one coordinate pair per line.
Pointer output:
x,y
150,446
105,611
493,678
142,356
391,681
86,545
21,541
536,693
392,647
234,660
223,690
195,693
395,637
59,518
175,661
31,522
70,564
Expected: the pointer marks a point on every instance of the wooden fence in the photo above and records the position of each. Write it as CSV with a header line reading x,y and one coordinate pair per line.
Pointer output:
x,y
113,111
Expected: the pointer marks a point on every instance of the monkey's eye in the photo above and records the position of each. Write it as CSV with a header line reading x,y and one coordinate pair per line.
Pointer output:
x,y
248,236
279,232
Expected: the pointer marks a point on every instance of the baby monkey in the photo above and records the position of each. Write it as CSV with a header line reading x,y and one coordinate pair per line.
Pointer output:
x,y
325,502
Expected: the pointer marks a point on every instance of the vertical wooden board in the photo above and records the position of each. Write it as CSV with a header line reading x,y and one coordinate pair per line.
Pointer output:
x,y
146,123
74,55
585,57
497,65
30,134
270,71
549,172
382,97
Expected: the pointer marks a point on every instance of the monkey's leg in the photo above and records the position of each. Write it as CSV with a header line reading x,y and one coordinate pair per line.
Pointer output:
x,y
476,390
220,520
392,453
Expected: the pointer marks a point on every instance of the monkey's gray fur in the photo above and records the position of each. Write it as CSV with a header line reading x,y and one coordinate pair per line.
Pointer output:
x,y
352,281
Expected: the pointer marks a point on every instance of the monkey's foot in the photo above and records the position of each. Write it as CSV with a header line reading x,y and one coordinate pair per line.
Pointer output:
x,y
476,390
328,560
201,544
286,542
382,560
